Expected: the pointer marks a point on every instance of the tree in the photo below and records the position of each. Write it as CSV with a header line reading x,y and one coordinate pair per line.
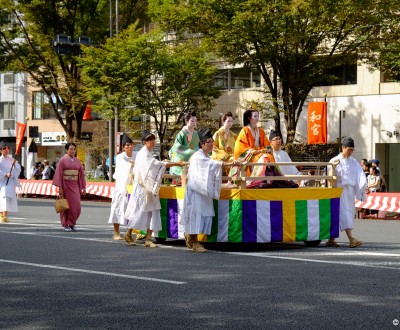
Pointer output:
x,y
27,32
143,74
383,52
292,43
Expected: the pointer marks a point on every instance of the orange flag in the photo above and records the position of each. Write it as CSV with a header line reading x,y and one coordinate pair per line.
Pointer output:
x,y
20,137
316,123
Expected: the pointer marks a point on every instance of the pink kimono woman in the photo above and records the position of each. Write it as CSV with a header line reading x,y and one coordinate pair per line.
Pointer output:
x,y
70,177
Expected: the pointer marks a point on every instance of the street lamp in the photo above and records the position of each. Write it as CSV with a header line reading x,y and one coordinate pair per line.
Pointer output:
x,y
342,114
113,125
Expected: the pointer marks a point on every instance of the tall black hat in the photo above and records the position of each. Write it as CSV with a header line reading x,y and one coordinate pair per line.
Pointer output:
x,y
146,135
273,134
204,134
126,139
348,142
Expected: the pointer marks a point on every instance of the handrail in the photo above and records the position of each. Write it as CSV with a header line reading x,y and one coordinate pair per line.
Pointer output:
x,y
331,180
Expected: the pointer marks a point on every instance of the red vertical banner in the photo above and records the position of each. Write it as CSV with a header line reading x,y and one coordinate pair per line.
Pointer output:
x,y
317,123
19,137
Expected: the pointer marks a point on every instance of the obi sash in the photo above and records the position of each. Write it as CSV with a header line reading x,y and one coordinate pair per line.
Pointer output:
x,y
71,175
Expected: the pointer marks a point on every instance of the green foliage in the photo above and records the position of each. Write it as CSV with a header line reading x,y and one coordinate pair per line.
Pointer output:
x,y
142,74
27,30
312,152
292,43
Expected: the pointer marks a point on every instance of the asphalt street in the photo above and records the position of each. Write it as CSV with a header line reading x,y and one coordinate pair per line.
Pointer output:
x,y
51,279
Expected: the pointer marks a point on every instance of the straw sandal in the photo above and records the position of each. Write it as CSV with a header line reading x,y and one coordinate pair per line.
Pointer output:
x,y
129,239
354,242
149,243
197,247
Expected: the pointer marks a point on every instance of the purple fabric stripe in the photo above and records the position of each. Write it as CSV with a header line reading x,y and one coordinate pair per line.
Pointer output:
x,y
276,221
249,221
335,219
172,223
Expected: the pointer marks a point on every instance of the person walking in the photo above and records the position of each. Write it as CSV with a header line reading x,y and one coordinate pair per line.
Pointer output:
x,y
9,173
143,209
204,185
71,183
351,178
123,168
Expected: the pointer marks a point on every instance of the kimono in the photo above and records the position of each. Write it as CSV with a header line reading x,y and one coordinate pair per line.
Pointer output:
x,y
221,145
182,149
245,146
351,178
8,197
70,177
204,185
143,209
122,176
283,157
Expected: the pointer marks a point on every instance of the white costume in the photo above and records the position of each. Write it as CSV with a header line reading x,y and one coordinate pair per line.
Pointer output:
x,y
204,185
123,168
351,178
8,197
143,210
283,157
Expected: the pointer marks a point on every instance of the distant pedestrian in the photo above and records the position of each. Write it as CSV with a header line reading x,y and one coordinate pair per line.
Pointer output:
x,y
46,170
8,181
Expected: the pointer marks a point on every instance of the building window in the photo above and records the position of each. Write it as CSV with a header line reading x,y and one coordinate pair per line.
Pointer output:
x,y
7,110
239,78
221,79
41,106
9,78
345,74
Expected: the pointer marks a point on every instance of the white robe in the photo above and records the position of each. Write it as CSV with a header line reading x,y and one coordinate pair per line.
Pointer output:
x,y
119,201
351,178
204,185
143,210
8,197
283,157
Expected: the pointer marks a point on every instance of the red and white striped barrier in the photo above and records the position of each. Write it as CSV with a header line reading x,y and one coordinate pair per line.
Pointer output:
x,y
45,187
389,202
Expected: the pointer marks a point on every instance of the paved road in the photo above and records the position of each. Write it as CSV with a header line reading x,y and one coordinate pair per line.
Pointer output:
x,y
50,279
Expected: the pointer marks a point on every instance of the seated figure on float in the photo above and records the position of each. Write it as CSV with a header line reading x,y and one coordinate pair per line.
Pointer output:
x,y
185,145
224,143
250,145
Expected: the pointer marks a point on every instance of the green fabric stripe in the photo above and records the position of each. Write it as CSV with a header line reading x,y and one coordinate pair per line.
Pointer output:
x,y
213,237
324,218
164,218
235,221
301,220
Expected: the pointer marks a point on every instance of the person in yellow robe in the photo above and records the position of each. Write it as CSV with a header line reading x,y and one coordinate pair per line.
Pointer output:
x,y
224,140
250,145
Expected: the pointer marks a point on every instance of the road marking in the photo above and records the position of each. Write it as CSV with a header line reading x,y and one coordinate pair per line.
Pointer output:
x,y
344,263
153,279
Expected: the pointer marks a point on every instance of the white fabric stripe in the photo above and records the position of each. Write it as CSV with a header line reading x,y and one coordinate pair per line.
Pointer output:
x,y
263,221
181,227
393,204
384,204
376,202
313,219
223,220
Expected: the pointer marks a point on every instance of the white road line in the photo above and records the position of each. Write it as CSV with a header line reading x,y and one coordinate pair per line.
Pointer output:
x,y
344,263
153,279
